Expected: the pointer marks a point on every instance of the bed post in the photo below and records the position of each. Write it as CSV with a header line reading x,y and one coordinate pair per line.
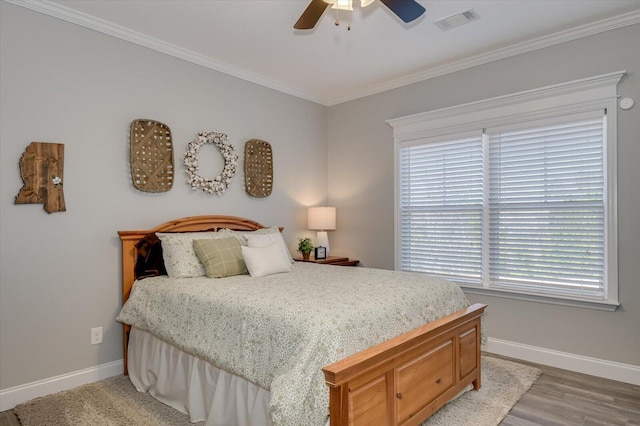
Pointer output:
x,y
129,240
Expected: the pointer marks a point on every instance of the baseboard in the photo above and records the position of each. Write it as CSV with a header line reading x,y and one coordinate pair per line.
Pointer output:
x,y
593,366
11,397
626,373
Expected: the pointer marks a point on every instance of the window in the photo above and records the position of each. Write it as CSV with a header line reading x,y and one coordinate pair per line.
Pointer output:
x,y
505,197
441,207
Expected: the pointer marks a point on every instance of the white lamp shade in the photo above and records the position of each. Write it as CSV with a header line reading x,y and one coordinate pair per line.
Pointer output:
x,y
321,218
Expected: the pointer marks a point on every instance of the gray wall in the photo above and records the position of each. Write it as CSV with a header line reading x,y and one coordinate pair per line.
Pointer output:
x,y
59,273
361,185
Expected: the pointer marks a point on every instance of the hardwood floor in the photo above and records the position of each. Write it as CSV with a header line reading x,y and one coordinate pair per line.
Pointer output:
x,y
564,398
558,397
8,418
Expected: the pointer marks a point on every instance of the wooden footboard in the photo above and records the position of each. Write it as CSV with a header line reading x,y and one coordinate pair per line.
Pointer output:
x,y
406,379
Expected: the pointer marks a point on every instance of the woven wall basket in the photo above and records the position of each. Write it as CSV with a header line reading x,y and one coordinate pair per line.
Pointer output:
x,y
258,168
152,167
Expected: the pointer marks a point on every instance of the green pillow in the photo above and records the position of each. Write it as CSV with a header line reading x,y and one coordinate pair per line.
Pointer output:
x,y
220,257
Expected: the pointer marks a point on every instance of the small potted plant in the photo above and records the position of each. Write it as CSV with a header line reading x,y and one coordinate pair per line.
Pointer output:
x,y
305,246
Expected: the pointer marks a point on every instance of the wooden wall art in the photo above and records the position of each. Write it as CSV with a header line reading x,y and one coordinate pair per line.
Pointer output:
x,y
41,168
258,168
151,156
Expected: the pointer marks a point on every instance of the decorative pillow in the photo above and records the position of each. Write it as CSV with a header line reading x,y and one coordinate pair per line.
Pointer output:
x,y
220,257
273,234
180,259
263,261
264,240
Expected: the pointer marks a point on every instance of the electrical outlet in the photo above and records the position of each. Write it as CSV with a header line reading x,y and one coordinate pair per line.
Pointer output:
x,y
96,335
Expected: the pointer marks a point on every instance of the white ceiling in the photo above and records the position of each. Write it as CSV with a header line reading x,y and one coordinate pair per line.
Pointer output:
x,y
255,39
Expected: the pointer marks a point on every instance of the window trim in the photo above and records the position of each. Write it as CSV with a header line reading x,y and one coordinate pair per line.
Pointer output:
x,y
546,102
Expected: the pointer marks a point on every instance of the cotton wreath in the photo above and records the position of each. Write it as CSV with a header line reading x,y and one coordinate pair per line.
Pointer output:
x,y
219,184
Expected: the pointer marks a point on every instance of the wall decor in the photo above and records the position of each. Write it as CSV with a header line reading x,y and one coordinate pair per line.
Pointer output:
x,y
41,168
151,156
258,168
219,184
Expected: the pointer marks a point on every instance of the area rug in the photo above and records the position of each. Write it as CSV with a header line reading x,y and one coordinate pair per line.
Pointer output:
x,y
503,384
115,402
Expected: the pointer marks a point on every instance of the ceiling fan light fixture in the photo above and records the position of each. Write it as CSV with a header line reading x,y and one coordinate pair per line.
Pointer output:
x,y
406,10
341,4
347,4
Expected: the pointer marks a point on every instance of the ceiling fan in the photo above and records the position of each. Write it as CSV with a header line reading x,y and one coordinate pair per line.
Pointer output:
x,y
407,10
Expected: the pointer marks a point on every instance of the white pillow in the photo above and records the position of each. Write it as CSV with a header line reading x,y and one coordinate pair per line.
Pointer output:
x,y
263,261
260,237
264,240
178,254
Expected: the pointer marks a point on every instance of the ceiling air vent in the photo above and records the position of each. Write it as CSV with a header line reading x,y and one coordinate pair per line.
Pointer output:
x,y
456,20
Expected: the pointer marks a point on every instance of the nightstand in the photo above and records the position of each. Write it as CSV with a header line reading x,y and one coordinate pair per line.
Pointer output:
x,y
332,260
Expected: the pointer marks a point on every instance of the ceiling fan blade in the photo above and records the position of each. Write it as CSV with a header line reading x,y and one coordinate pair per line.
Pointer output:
x,y
407,10
311,15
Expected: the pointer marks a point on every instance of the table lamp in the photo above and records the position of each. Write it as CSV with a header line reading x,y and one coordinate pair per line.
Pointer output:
x,y
322,219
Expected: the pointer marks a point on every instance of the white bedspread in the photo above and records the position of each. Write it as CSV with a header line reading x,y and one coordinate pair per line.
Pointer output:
x,y
278,331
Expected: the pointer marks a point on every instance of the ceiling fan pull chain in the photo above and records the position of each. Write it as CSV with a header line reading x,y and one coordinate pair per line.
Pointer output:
x,y
348,12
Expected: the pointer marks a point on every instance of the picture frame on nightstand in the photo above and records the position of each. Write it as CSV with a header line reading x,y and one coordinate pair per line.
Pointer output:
x,y
320,252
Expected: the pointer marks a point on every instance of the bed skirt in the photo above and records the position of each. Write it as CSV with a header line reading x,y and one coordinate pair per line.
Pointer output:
x,y
193,386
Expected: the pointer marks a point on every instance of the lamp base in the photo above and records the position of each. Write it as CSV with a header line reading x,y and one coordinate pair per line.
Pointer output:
x,y
323,240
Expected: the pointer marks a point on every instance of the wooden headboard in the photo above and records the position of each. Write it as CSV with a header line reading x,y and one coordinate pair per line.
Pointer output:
x,y
129,239
185,224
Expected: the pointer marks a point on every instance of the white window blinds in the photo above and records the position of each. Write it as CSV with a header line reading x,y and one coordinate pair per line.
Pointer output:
x,y
547,207
518,208
441,208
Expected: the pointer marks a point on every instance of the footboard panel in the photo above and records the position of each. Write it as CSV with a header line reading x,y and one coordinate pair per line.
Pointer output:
x,y
406,379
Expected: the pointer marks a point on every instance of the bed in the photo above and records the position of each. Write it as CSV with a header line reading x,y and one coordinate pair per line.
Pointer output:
x,y
377,360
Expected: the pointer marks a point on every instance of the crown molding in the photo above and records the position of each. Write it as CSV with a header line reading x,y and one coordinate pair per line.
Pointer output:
x,y
79,18
613,23
61,12
598,90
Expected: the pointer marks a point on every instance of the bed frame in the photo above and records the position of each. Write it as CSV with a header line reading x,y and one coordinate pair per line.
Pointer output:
x,y
399,382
